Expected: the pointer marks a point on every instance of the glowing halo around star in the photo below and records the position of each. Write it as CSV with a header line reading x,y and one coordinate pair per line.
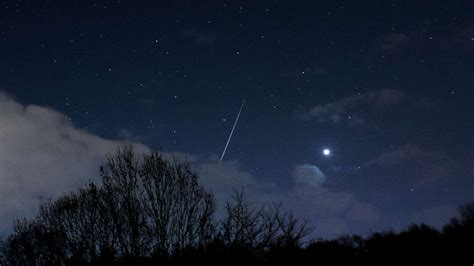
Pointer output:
x,y
326,152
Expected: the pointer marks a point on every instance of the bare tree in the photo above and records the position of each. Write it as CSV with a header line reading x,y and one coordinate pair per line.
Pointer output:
x,y
32,244
260,227
292,230
81,218
179,209
145,206
123,198
156,205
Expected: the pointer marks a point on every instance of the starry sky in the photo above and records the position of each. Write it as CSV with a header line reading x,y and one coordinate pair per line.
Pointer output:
x,y
386,86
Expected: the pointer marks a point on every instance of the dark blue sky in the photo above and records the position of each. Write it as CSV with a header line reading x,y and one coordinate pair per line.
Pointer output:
x,y
388,86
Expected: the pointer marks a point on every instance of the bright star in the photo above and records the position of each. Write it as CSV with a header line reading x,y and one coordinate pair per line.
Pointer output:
x,y
327,152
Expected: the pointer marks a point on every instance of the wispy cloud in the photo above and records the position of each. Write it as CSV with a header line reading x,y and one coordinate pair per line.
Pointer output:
x,y
347,110
430,167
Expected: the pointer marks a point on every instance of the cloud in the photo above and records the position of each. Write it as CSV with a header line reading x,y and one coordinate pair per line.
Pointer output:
x,y
347,110
459,41
199,37
429,167
451,42
225,178
407,152
308,174
331,212
43,155
128,135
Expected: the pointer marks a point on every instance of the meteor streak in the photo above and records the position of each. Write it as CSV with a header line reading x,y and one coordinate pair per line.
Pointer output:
x,y
232,132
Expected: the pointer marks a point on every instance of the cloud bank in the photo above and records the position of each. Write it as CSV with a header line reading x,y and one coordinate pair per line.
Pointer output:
x,y
43,155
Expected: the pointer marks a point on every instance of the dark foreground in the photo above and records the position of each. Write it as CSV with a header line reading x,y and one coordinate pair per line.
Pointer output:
x,y
149,210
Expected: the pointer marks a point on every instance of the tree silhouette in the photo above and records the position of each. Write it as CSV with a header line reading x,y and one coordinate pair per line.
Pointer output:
x,y
37,243
180,211
145,206
459,232
257,227
149,209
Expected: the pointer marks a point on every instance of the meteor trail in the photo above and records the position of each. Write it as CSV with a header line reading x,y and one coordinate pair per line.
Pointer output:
x,y
232,132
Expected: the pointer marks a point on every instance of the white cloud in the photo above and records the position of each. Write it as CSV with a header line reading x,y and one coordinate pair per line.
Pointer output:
x,y
309,174
42,155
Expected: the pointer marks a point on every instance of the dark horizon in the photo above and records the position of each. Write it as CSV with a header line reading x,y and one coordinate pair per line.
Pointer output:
x,y
359,117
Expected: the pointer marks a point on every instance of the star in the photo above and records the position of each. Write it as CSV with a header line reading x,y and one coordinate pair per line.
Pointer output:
x,y
326,152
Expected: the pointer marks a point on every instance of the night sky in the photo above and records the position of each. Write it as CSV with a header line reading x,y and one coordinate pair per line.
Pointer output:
x,y
386,86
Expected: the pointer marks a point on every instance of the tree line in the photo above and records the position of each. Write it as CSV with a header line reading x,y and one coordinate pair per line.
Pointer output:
x,y
148,209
